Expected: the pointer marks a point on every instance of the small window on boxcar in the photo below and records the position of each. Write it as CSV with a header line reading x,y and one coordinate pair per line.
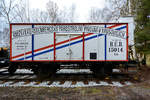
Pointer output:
x,y
93,55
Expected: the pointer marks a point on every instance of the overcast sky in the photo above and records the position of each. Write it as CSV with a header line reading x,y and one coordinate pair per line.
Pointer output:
x,y
82,6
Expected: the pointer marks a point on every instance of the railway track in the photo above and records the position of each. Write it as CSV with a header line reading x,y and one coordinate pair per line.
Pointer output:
x,y
80,79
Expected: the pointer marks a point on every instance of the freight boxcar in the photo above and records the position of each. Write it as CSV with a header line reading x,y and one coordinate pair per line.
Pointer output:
x,y
44,47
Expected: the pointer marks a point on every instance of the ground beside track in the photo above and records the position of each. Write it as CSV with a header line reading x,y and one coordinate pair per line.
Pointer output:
x,y
136,91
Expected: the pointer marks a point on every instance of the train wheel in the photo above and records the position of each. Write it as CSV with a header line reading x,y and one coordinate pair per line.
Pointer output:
x,y
40,73
99,72
108,70
12,69
35,69
45,71
52,70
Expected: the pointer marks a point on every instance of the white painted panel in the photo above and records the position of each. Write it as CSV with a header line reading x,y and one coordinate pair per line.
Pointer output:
x,y
76,49
95,45
28,46
44,56
62,53
71,50
101,47
116,48
21,45
41,41
90,47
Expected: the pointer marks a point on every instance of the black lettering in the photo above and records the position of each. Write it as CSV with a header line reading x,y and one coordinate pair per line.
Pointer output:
x,y
111,44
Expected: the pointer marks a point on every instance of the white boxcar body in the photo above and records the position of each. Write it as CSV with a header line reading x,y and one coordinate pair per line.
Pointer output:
x,y
69,42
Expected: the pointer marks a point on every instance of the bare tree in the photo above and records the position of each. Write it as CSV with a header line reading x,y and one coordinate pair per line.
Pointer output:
x,y
43,17
63,15
52,10
111,12
72,10
123,7
95,15
23,14
130,7
39,16
7,7
115,7
67,15
7,13
6,36
118,7
22,11
100,15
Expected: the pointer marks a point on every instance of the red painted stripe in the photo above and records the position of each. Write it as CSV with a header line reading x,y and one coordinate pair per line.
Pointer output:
x,y
54,46
10,42
43,48
127,41
83,47
114,25
56,43
51,45
65,23
21,54
64,60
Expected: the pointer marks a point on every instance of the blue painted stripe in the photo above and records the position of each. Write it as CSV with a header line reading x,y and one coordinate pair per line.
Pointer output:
x,y
68,45
105,44
32,44
44,52
105,47
120,28
40,53
63,46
